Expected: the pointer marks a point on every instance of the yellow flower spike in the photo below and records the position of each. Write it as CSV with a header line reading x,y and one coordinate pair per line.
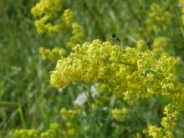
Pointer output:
x,y
52,54
168,123
155,132
42,52
56,80
77,35
45,11
161,48
67,17
157,21
63,110
54,126
72,132
68,114
156,11
46,7
119,114
69,124
57,2
23,133
141,45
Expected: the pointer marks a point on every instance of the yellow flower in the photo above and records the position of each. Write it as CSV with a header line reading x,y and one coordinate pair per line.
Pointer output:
x,y
128,73
77,35
46,12
52,54
141,45
119,114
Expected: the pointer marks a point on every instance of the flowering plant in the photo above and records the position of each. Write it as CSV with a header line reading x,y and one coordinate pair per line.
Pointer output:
x,y
129,80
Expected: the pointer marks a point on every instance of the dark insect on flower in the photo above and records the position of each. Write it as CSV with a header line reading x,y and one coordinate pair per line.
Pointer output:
x,y
115,37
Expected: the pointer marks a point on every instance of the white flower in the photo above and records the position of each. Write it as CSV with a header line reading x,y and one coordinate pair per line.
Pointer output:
x,y
81,99
60,90
94,92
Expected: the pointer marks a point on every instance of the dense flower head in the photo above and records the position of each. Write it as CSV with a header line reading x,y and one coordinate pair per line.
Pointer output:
x,y
157,21
23,133
119,114
128,73
53,131
155,132
161,47
77,35
52,54
46,7
67,17
142,45
46,12
71,128
156,11
159,16
67,114
171,113
168,123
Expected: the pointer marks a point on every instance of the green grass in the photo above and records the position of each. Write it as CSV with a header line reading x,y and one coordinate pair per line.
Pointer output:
x,y
24,79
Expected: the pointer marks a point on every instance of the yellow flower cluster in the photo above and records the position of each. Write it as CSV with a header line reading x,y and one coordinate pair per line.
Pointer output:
x,y
67,17
157,21
127,72
46,7
53,132
69,117
67,114
23,133
161,48
159,16
77,35
119,114
167,123
156,11
52,54
155,132
141,45
46,10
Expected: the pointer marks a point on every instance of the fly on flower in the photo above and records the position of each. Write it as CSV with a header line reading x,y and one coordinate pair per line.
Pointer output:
x,y
115,38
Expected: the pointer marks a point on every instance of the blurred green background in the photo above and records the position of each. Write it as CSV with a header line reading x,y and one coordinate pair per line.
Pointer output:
x,y
24,79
